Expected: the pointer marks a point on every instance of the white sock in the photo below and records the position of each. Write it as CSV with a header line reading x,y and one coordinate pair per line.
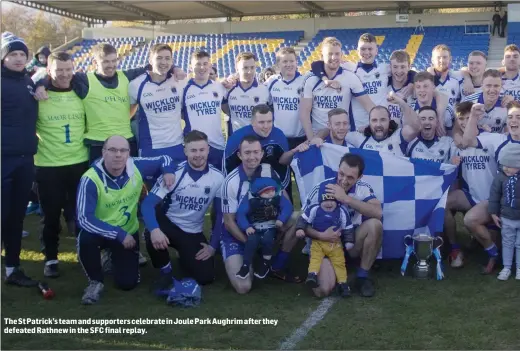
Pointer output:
x,y
9,271
48,263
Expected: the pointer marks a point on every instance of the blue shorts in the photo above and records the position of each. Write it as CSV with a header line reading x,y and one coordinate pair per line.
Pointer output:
x,y
215,157
471,201
230,246
175,152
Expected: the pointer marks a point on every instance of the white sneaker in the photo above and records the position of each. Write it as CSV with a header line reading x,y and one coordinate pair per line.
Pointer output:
x,y
457,259
517,277
504,274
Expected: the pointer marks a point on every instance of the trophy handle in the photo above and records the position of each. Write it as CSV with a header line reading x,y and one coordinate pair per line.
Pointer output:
x,y
408,241
441,241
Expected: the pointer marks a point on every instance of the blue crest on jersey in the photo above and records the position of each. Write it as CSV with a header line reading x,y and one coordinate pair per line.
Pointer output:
x,y
452,91
215,94
256,98
485,150
441,152
225,201
207,189
377,75
174,90
498,121
390,146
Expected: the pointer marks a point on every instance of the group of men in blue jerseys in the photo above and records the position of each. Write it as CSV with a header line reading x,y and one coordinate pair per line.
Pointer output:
x,y
181,164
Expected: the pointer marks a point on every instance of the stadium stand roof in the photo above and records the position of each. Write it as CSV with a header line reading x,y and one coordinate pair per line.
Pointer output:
x,y
159,11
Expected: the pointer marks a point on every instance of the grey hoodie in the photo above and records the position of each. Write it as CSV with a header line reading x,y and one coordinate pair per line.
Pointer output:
x,y
504,197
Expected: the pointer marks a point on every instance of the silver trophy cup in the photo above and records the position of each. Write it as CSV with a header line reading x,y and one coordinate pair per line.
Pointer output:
x,y
423,246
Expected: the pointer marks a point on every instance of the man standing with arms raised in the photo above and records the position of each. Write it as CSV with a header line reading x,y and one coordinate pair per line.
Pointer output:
x,y
62,157
19,143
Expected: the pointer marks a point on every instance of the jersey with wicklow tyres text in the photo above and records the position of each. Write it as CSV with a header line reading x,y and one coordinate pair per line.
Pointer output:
x,y
375,82
479,165
202,110
511,86
241,102
159,111
495,117
285,99
326,98
190,197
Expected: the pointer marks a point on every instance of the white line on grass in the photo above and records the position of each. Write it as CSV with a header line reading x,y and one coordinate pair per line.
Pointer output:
x,y
314,318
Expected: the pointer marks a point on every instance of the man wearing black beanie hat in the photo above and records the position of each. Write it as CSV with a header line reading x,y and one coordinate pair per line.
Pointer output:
x,y
19,143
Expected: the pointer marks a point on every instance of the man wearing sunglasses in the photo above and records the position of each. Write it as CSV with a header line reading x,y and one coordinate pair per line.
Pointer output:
x,y
107,201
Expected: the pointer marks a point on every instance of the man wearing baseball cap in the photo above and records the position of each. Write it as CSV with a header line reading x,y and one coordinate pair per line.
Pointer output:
x,y
19,143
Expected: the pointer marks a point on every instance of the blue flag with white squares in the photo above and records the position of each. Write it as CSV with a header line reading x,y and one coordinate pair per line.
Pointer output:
x,y
413,192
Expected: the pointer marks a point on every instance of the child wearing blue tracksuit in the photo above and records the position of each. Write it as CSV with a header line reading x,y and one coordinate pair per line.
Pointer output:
x,y
259,214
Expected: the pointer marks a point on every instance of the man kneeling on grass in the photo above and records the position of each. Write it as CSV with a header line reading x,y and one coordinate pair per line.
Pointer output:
x,y
364,208
107,201
179,221
235,187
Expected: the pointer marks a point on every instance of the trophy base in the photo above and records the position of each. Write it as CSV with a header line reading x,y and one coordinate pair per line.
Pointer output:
x,y
421,272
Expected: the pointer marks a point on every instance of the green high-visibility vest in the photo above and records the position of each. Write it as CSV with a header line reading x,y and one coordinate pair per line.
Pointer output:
x,y
108,110
60,128
118,207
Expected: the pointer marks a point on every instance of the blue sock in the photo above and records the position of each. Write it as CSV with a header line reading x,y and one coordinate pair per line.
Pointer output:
x,y
167,269
280,260
492,251
362,273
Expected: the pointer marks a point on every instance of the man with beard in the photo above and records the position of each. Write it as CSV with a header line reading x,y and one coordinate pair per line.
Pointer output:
x,y
158,95
383,134
318,98
479,162
446,82
179,222
495,115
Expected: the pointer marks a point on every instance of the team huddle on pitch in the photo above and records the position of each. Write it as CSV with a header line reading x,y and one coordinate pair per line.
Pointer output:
x,y
178,166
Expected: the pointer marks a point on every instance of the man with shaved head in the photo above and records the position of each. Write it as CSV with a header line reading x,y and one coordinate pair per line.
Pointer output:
x,y
107,201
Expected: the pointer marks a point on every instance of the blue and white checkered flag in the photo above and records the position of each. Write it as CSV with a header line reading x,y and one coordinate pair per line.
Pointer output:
x,y
413,192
